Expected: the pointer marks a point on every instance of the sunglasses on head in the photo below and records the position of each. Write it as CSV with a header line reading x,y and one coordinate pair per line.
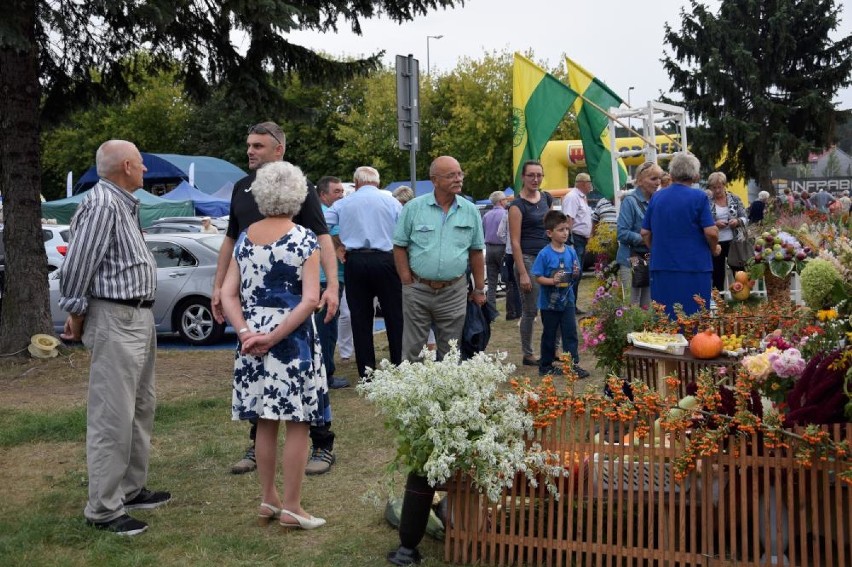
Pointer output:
x,y
260,129
645,167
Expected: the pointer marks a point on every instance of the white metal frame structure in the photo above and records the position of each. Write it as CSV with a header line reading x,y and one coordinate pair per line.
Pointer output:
x,y
653,114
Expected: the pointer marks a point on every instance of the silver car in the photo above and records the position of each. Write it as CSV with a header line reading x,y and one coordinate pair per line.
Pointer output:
x,y
186,266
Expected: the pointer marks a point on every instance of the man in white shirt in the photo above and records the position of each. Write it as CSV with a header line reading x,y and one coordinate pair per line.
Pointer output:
x,y
576,208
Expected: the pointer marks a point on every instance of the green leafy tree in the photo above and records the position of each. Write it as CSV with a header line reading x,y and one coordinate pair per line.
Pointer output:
x,y
367,133
760,76
472,121
57,55
156,118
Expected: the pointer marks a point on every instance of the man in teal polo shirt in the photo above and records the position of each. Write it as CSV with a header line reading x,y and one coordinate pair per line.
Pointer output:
x,y
437,235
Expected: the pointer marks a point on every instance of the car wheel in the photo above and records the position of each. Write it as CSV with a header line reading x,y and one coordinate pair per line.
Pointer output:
x,y
195,322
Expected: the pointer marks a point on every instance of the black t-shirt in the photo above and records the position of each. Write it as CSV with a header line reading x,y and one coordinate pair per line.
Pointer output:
x,y
244,211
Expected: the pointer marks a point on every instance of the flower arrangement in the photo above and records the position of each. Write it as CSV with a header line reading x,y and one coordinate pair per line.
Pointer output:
x,y
603,243
780,252
605,331
776,369
453,415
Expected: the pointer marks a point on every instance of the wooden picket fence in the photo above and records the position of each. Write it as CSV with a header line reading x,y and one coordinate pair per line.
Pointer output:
x,y
619,505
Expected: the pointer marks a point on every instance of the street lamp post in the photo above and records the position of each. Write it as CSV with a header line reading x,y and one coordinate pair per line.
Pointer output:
x,y
628,95
428,37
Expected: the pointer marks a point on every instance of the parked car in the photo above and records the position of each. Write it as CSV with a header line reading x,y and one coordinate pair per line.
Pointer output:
x,y
172,228
186,265
56,237
221,224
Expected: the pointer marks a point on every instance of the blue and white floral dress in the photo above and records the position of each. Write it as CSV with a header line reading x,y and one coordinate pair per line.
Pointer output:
x,y
288,383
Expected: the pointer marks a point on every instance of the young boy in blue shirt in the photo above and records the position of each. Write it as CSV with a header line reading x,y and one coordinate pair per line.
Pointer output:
x,y
555,269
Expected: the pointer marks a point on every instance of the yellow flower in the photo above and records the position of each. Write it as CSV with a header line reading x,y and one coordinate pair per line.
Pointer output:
x,y
826,314
758,365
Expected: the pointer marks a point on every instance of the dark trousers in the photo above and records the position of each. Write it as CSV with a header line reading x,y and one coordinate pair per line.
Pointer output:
x,y
553,322
371,275
580,248
327,333
513,295
720,264
493,265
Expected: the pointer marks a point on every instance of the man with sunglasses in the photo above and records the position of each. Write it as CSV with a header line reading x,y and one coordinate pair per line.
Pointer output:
x,y
266,144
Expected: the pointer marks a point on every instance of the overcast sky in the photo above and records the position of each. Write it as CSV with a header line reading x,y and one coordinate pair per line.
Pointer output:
x,y
620,42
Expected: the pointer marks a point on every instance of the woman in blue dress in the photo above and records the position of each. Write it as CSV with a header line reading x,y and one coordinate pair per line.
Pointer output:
x,y
269,293
682,237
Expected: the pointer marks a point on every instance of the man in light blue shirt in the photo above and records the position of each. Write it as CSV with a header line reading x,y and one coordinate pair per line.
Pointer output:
x,y
365,245
435,238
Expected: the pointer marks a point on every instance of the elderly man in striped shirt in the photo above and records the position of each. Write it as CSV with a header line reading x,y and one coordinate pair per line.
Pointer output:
x,y
107,286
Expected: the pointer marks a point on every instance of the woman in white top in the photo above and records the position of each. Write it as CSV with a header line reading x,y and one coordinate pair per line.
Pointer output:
x,y
730,217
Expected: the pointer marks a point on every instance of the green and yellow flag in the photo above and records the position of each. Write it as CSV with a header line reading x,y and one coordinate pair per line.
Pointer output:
x,y
539,102
590,108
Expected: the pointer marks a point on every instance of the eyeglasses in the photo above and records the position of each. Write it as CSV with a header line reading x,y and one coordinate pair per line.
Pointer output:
x,y
534,175
453,175
260,129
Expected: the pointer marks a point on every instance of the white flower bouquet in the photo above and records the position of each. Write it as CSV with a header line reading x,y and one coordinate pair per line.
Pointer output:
x,y
453,416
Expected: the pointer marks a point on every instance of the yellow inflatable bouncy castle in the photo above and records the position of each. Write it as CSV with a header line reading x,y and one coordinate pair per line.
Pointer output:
x,y
560,156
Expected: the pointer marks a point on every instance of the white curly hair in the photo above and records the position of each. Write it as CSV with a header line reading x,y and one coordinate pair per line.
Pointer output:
x,y
279,189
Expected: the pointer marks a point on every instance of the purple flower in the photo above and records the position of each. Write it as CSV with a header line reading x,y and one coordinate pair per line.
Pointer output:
x,y
619,312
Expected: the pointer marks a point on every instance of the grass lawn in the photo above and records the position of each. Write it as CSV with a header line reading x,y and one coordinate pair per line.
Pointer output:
x,y
211,518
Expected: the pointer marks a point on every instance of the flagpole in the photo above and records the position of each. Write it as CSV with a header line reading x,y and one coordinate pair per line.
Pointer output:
x,y
626,126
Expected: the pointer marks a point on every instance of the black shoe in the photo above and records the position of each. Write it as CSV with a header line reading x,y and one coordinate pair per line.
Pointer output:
x,y
530,361
124,525
337,383
404,556
581,373
550,371
147,500
578,311
512,317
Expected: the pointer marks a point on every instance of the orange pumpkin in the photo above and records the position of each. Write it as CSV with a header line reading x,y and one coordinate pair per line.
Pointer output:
x,y
706,344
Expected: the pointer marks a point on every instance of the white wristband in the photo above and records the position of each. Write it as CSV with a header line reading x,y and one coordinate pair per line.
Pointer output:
x,y
243,330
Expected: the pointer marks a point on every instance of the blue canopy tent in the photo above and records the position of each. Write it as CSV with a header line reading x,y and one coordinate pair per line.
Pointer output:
x,y
210,174
225,192
159,171
151,209
205,205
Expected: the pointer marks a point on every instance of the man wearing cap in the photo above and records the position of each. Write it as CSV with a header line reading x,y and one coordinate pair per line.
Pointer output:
x,y
436,237
576,208
107,286
266,143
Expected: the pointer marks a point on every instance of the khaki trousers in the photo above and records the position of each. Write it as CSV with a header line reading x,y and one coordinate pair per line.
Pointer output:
x,y
121,404
423,307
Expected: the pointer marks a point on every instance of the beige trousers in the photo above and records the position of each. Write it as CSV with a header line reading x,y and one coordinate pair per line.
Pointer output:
x,y
121,404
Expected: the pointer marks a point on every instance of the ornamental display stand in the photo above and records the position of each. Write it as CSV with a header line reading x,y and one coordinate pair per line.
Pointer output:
x,y
652,367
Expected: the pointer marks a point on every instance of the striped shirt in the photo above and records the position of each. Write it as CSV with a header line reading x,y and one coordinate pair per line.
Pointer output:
x,y
107,255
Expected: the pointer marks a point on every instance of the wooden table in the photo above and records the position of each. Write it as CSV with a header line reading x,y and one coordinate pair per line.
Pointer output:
x,y
652,367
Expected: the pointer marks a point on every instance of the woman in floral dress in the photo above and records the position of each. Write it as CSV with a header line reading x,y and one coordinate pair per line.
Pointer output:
x,y
269,293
